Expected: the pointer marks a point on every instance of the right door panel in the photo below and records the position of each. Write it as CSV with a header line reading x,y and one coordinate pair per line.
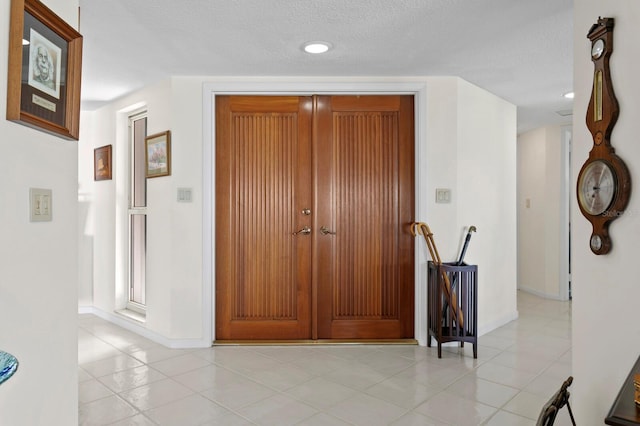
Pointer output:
x,y
363,199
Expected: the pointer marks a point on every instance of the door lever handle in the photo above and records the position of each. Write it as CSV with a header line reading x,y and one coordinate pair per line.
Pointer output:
x,y
326,231
304,231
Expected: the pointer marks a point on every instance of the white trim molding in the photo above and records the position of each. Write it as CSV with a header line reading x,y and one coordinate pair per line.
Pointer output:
x,y
137,327
301,87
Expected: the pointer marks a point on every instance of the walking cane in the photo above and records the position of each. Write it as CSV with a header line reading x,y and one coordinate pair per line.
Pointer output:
x,y
421,228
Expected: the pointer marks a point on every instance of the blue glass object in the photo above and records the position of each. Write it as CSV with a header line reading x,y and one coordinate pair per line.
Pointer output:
x,y
8,366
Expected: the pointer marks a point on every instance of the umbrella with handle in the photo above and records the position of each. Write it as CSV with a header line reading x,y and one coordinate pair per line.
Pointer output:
x,y
460,262
465,245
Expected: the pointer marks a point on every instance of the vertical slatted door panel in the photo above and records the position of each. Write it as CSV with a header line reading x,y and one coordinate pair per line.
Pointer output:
x,y
263,275
364,272
360,192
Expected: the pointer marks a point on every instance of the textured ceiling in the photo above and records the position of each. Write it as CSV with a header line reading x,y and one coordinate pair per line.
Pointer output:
x,y
520,50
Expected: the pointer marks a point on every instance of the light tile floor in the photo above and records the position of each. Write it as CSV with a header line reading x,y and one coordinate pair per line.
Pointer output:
x,y
125,379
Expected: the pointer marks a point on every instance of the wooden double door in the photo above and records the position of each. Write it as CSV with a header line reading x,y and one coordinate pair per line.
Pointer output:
x,y
314,201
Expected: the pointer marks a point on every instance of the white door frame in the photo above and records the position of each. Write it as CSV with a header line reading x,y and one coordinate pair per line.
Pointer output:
x,y
304,88
565,213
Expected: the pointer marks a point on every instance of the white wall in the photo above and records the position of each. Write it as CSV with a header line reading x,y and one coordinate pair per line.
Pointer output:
x,y
540,185
606,330
104,234
470,149
174,314
178,280
38,264
486,161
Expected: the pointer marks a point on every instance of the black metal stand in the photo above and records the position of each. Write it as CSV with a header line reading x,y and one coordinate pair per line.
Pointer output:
x,y
453,313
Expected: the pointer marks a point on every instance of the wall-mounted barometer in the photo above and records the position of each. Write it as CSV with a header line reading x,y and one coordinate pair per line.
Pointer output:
x,y
604,184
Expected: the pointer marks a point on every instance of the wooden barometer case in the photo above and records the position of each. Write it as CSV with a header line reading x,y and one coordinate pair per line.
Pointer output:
x,y
604,184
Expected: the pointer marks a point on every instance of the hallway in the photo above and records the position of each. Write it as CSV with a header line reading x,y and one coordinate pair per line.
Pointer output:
x,y
125,379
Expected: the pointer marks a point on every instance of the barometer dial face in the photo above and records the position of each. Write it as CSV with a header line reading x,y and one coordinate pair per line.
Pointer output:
x,y
597,187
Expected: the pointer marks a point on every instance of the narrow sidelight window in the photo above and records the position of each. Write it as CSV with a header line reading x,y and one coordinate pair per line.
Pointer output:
x,y
137,214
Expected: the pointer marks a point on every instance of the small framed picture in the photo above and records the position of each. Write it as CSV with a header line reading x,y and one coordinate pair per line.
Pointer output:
x,y
102,163
45,67
158,154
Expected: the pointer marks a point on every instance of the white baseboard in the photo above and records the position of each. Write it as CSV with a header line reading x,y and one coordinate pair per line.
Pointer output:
x,y
486,328
492,325
541,294
85,309
139,328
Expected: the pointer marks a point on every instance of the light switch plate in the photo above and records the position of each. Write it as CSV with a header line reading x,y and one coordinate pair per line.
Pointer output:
x,y
443,195
184,195
41,204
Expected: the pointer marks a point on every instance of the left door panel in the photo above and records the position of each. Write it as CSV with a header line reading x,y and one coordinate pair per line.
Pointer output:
x,y
263,197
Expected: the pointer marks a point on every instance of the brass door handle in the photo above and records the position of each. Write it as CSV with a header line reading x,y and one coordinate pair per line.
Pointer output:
x,y
326,231
304,231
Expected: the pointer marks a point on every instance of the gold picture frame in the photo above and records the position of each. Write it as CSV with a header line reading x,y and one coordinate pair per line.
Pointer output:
x,y
45,66
102,163
158,154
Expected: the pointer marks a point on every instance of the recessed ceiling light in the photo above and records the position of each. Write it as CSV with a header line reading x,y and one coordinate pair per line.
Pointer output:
x,y
316,46
568,95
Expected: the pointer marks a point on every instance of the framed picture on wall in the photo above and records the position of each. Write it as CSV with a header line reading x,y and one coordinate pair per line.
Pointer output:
x,y
102,163
45,63
158,154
